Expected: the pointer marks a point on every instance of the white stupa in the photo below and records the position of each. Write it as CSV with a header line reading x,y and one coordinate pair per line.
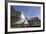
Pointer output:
x,y
22,19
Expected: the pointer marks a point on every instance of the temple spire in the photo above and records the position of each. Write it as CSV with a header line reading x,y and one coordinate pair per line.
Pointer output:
x,y
22,15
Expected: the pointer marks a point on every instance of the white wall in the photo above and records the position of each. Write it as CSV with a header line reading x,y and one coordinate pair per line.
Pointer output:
x,y
2,17
2,23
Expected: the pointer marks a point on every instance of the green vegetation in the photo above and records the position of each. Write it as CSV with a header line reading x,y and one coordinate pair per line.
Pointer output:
x,y
35,21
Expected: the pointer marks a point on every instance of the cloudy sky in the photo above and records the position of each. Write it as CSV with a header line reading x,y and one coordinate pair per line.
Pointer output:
x,y
29,11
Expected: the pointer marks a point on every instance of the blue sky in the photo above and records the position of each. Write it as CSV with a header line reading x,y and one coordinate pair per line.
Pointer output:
x,y
29,11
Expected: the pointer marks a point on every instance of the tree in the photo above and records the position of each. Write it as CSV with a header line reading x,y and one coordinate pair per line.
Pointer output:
x,y
35,21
